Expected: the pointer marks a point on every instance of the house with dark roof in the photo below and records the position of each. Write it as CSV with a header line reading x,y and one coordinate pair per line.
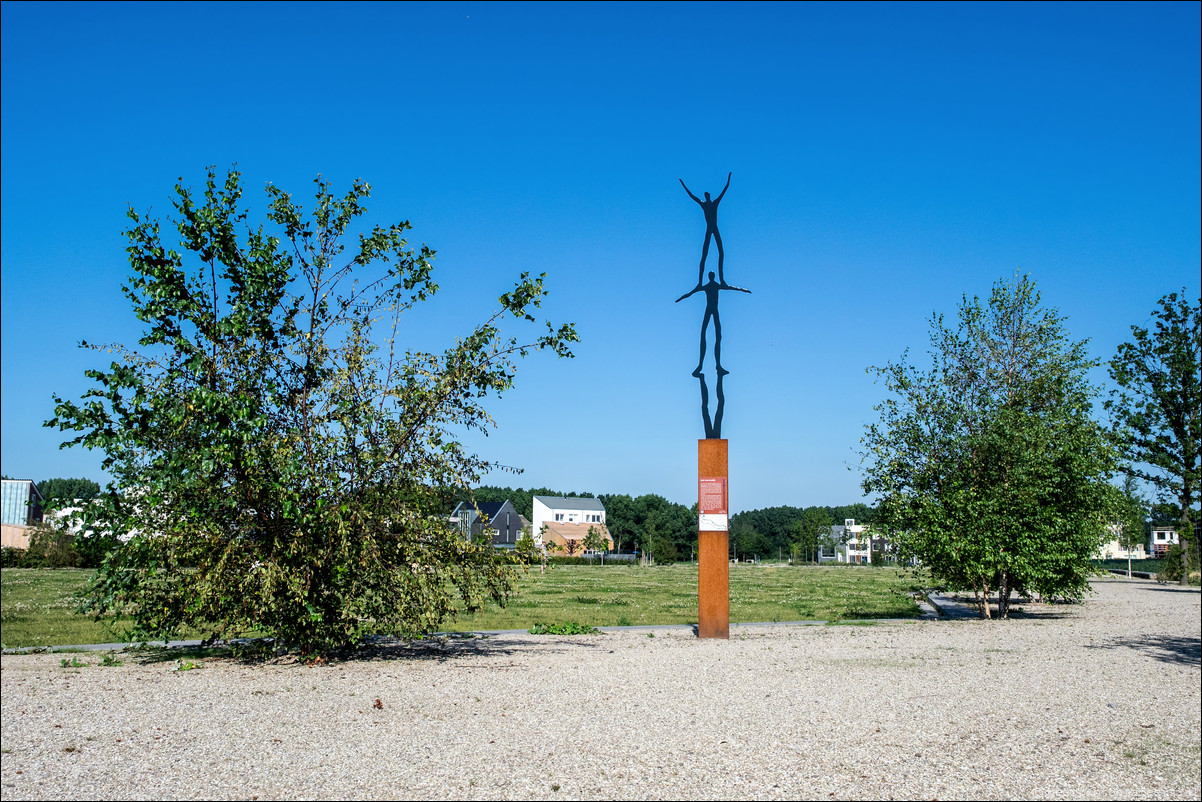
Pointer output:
x,y
499,517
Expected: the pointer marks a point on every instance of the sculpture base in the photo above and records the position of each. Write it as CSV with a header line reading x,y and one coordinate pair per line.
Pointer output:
x,y
713,541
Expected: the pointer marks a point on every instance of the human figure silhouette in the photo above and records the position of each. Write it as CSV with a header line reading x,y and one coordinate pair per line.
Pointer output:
x,y
710,209
711,289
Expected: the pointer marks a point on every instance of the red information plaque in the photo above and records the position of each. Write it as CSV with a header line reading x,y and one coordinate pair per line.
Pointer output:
x,y
711,495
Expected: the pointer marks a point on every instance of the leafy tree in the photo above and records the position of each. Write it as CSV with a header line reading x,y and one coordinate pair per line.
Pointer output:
x,y
525,549
774,525
748,542
989,466
284,469
68,490
1130,518
50,547
1164,514
596,541
808,530
621,519
660,529
860,512
1157,408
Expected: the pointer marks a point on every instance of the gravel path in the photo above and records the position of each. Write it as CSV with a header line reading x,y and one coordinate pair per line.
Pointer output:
x,y
1100,700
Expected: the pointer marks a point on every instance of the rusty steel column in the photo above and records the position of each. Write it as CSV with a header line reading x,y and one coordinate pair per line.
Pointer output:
x,y
713,541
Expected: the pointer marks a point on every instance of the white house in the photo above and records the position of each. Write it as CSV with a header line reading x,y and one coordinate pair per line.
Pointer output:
x,y
855,544
1162,538
1112,548
562,519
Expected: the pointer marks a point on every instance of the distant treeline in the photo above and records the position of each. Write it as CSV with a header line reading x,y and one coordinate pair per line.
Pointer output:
x,y
69,489
669,530
787,530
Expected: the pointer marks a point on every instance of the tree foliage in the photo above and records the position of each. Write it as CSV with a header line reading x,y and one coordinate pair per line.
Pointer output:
x,y
662,530
1157,408
807,532
990,468
1132,517
595,540
284,468
68,490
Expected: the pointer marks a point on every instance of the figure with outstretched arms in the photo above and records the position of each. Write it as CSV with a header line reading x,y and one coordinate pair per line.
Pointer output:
x,y
711,289
710,209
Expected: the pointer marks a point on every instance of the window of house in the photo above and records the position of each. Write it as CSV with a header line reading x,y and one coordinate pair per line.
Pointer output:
x,y
559,516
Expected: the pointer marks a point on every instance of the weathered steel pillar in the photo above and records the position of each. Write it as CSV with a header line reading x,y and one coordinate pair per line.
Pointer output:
x,y
713,541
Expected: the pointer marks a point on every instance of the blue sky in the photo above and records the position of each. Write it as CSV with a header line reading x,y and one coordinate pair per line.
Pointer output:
x,y
886,160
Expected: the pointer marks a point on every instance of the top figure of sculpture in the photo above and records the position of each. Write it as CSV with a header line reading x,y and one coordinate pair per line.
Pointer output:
x,y
710,209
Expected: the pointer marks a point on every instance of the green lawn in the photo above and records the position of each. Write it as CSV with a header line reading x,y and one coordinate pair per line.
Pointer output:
x,y
37,608
37,605
667,594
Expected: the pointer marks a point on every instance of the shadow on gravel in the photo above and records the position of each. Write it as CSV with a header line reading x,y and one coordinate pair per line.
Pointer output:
x,y
965,607
1165,648
446,649
437,649
1194,589
1043,611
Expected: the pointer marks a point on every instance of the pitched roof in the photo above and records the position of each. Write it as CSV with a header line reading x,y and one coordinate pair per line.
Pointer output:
x,y
572,503
487,508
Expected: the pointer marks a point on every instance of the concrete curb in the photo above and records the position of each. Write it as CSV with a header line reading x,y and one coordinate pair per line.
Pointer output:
x,y
952,608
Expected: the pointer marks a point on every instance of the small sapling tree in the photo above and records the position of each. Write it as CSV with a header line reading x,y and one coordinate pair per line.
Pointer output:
x,y
596,541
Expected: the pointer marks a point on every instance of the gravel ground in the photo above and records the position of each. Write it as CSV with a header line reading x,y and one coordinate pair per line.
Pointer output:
x,y
1100,700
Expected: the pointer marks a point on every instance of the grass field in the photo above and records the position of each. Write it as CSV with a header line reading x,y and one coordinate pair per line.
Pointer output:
x,y
667,594
37,606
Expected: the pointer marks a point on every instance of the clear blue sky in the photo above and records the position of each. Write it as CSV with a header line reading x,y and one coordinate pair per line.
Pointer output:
x,y
886,160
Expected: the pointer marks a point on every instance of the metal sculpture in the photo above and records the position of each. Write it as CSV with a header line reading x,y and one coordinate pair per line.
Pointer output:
x,y
713,426
709,208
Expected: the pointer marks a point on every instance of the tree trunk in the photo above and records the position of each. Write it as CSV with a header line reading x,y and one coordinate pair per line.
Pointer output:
x,y
1184,559
982,595
1184,535
1003,596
